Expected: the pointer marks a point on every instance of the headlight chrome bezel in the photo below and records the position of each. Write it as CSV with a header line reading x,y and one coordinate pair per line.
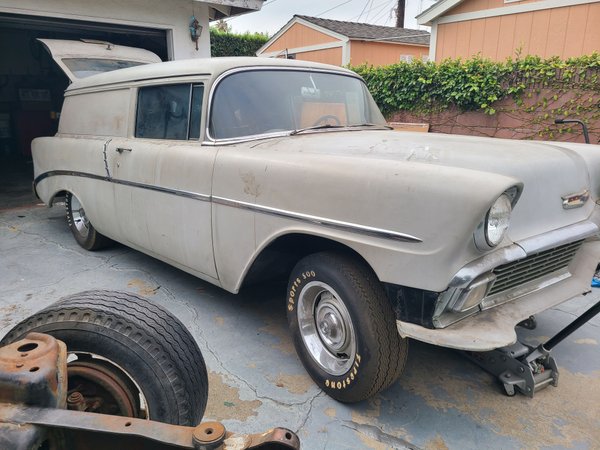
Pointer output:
x,y
482,238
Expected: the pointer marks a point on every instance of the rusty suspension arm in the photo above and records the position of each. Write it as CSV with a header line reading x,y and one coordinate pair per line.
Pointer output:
x,y
33,389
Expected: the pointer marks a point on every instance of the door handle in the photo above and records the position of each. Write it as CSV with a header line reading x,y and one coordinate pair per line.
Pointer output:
x,y
122,149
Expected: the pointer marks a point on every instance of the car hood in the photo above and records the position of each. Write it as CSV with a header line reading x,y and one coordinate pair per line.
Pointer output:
x,y
547,170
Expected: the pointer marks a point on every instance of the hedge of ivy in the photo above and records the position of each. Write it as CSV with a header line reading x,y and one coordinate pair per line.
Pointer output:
x,y
477,83
229,44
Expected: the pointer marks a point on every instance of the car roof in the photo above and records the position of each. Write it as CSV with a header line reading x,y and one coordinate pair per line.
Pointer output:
x,y
212,67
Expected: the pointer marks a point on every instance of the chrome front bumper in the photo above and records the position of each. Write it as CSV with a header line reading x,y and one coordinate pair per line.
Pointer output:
x,y
491,324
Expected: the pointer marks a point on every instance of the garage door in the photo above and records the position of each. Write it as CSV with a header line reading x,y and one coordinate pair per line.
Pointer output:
x,y
32,86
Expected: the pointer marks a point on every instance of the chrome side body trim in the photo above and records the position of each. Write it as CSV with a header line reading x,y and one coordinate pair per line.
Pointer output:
x,y
330,223
178,192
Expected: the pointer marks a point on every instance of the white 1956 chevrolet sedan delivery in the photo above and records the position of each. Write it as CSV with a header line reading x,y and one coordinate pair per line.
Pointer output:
x,y
245,169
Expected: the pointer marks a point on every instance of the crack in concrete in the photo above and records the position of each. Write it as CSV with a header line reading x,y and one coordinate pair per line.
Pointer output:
x,y
196,328
59,245
377,434
308,413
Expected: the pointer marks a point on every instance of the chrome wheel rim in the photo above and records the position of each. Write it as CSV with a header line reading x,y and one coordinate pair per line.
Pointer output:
x,y
326,328
80,220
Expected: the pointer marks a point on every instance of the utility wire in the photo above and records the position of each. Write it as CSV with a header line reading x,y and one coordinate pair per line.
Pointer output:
x,y
369,2
335,7
386,10
374,8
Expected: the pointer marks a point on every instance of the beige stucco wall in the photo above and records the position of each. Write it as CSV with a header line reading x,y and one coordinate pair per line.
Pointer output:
x,y
171,15
379,53
299,35
565,32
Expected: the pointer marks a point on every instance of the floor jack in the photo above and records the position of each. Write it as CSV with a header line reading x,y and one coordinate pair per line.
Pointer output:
x,y
525,368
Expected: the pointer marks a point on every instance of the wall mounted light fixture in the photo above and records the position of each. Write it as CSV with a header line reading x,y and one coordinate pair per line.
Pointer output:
x,y
195,30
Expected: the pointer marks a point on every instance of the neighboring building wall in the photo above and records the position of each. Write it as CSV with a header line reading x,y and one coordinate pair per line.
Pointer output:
x,y
298,36
381,54
172,15
326,56
565,32
513,123
480,5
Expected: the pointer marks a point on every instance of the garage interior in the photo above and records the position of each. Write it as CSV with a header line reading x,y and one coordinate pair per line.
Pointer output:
x,y
32,86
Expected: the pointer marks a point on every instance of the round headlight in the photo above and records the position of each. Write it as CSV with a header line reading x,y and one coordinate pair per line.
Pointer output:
x,y
494,225
497,220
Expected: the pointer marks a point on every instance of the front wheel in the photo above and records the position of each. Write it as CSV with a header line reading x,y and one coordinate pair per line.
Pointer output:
x,y
127,356
83,231
344,327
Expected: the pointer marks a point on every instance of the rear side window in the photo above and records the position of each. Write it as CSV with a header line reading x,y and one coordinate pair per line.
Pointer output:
x,y
169,112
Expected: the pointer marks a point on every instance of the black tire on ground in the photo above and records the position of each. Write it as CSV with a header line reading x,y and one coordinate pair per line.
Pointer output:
x,y
142,341
343,326
83,231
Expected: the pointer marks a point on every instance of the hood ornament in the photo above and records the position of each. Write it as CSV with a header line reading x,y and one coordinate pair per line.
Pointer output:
x,y
576,200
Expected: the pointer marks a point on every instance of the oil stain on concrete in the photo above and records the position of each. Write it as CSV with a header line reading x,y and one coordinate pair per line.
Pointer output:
x,y
294,384
224,402
555,417
282,334
142,287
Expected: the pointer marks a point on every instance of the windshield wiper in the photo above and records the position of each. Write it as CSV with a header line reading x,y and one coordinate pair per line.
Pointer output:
x,y
327,125
316,127
378,125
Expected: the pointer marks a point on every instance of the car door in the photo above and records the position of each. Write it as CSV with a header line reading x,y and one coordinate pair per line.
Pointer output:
x,y
162,178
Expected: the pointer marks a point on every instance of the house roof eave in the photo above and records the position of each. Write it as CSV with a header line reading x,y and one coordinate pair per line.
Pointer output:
x,y
294,20
434,11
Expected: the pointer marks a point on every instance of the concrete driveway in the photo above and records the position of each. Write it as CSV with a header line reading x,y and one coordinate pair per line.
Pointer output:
x,y
257,382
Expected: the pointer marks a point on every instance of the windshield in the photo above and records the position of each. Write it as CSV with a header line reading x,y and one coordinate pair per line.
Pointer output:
x,y
86,67
269,101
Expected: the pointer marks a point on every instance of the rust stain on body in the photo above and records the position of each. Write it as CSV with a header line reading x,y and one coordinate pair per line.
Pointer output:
x,y
251,187
224,401
586,341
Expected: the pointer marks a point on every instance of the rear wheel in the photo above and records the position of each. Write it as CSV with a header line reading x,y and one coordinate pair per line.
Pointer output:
x,y
344,327
83,231
128,356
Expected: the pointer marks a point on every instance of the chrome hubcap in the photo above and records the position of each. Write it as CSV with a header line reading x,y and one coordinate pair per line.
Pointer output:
x,y
326,328
80,220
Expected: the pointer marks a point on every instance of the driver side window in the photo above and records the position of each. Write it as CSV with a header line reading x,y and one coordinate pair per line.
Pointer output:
x,y
169,112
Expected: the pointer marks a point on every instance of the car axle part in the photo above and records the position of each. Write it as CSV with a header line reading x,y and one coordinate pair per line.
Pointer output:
x,y
34,398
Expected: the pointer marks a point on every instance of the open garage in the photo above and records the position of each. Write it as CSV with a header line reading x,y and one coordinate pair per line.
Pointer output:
x,y
32,85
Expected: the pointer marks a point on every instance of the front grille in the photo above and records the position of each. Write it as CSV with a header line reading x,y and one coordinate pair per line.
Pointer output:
x,y
534,266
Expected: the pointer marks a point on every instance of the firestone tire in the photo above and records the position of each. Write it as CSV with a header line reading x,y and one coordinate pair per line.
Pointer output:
x,y
83,231
138,343
344,327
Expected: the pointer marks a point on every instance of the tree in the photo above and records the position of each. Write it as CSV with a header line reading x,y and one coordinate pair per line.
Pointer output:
x,y
222,26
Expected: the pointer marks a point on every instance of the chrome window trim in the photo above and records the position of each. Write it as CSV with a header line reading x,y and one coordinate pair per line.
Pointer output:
x,y
316,220
209,140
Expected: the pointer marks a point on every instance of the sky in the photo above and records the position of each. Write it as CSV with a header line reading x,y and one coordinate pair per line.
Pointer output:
x,y
276,13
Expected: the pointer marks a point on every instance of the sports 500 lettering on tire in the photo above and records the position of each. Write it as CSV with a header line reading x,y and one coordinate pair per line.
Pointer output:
x,y
343,326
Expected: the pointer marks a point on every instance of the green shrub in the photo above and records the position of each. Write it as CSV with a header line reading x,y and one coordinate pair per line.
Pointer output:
x,y
476,83
229,44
